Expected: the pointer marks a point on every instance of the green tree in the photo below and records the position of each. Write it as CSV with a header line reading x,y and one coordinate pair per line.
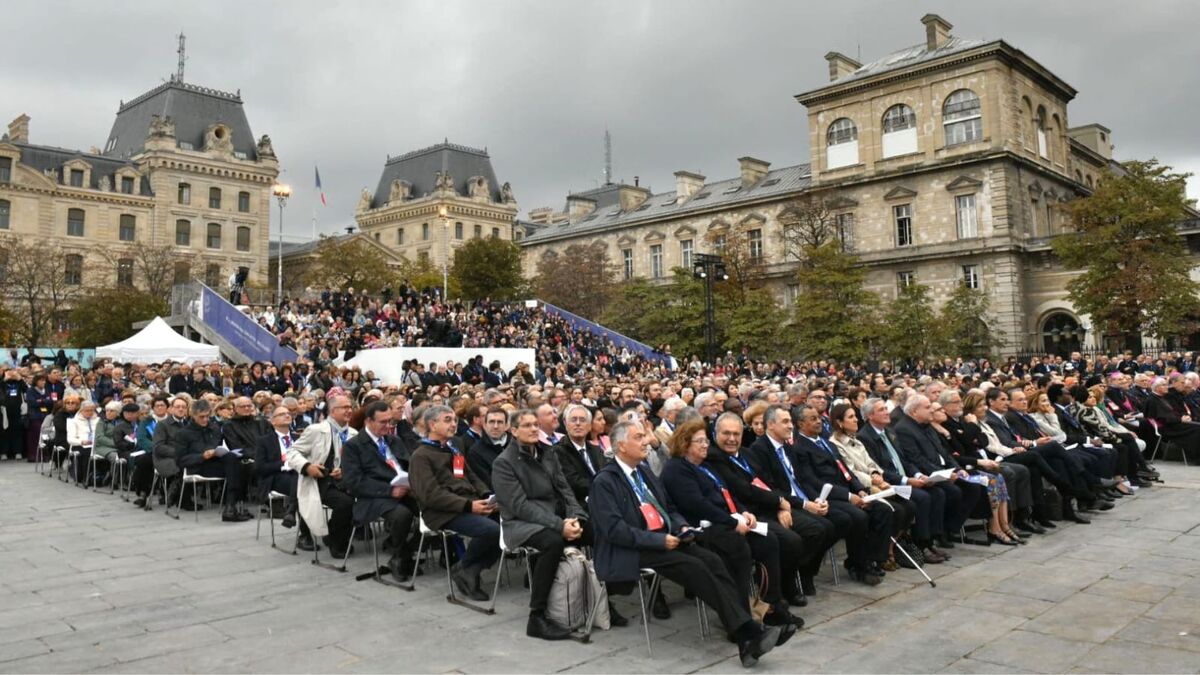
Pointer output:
x,y
910,326
350,262
1135,272
967,326
579,279
835,314
106,315
422,273
757,322
658,314
488,268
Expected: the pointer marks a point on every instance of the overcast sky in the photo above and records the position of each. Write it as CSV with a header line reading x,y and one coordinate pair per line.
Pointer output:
x,y
680,85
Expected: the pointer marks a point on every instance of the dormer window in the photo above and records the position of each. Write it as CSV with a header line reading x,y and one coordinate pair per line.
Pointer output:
x,y
127,184
842,141
76,178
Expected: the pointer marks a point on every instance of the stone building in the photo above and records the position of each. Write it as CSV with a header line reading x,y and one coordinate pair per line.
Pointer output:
x,y
430,201
180,168
945,163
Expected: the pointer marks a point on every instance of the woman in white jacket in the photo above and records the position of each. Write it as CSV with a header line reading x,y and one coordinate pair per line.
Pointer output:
x,y
81,434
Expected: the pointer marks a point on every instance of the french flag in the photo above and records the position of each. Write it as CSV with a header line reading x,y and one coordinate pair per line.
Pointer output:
x,y
317,172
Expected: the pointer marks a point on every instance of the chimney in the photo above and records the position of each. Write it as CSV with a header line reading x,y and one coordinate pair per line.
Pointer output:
x,y
1096,137
840,65
579,206
631,196
752,170
687,184
937,31
18,129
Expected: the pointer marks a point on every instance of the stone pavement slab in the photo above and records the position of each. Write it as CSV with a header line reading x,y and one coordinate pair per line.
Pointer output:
x,y
91,584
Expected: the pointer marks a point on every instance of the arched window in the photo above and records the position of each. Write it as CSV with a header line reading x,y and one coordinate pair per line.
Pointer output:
x,y
400,236
128,228
183,233
243,238
962,117
1039,124
213,240
1089,181
899,131
1061,334
842,142
5,213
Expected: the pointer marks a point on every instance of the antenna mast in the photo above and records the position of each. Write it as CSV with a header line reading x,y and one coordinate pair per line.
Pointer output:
x,y
607,158
182,51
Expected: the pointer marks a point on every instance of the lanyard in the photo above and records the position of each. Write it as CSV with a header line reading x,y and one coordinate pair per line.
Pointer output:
x,y
711,475
742,464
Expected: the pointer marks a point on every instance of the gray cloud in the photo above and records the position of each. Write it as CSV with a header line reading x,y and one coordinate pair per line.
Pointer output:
x,y
681,85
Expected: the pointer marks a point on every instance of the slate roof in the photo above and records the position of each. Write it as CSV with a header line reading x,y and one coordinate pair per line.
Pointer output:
x,y
43,157
725,193
192,108
420,168
912,56
605,196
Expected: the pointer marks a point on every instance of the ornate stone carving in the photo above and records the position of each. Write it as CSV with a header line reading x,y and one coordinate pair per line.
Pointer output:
x,y
265,149
105,184
479,188
161,127
218,138
443,181
364,200
506,194
401,191
52,174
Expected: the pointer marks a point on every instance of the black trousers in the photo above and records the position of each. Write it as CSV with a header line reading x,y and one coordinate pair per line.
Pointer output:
x,y
961,498
819,534
702,573
141,470
399,518
929,520
283,482
228,467
792,553
341,514
1018,479
859,529
1040,472
12,440
904,512
739,554
550,546
1075,479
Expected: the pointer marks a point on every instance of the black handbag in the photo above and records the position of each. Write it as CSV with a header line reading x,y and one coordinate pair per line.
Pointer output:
x,y
1053,503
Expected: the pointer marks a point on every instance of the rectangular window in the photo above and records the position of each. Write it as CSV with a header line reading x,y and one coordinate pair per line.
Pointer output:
x,y
965,131
425,231
719,243
73,269
458,230
791,294
5,169
627,263
964,206
183,233
213,240
478,231
905,279
125,273
185,194
656,268
243,238
756,244
685,253
75,220
244,202
214,198
5,213
77,178
127,184
400,236
1041,139
128,228
495,233
844,224
971,276
903,217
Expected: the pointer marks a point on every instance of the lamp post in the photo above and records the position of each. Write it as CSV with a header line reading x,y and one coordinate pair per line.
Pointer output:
x,y
281,191
709,268
444,214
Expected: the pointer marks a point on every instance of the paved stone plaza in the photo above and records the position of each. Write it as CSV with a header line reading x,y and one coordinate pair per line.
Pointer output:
x,y
91,584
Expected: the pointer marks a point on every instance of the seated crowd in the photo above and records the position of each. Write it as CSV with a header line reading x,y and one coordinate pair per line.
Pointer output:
x,y
733,486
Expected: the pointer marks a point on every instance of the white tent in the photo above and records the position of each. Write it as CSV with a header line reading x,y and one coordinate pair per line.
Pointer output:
x,y
155,343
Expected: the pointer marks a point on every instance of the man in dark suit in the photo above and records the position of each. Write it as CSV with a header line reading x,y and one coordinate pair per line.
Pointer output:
x,y
930,504
1098,461
482,454
375,473
495,376
579,459
270,457
636,526
924,452
775,460
199,455
819,464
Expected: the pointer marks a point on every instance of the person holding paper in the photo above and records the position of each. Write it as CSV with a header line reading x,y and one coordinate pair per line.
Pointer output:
x,y
636,526
700,495
125,438
775,460
819,464
198,455
375,473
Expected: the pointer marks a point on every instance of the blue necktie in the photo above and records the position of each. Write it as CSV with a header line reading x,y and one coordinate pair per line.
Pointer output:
x,y
825,446
791,474
383,449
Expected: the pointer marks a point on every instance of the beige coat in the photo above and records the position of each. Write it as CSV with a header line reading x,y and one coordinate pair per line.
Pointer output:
x,y
313,447
854,453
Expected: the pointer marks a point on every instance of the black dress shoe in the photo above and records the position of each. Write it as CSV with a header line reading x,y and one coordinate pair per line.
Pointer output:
x,y
753,649
305,543
931,555
289,520
1104,505
1046,523
865,576
807,585
796,599
1030,526
545,629
780,616
945,542
140,502
661,610
1076,518
615,619
787,630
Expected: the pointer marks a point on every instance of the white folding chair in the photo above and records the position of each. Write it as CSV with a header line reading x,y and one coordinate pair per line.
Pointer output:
x,y
646,596
520,553
272,496
196,481
451,597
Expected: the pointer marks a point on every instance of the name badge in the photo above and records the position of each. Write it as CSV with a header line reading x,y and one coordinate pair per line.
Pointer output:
x,y
459,466
757,482
729,500
652,517
846,474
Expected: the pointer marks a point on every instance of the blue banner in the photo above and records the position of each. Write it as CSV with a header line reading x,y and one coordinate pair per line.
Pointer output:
x,y
242,332
579,323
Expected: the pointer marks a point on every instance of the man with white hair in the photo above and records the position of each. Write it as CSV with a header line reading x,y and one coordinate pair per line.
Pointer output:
x,y
670,409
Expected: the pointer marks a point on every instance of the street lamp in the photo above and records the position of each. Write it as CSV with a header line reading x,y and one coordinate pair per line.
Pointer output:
x,y
281,191
444,214
709,268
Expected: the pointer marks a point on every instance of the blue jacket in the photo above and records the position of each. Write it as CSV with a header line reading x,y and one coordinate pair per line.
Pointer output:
x,y
618,527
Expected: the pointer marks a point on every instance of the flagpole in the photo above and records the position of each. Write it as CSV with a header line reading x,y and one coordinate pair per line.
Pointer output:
x,y
314,224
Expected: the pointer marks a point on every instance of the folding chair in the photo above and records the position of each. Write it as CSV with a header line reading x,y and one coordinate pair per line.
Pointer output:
x,y
92,472
316,560
520,552
453,599
195,481
271,497
69,466
58,455
646,596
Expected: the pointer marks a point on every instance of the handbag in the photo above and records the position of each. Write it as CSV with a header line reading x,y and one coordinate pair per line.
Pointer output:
x,y
759,607
1053,502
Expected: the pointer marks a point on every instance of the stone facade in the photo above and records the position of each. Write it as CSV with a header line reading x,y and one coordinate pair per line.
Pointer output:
x,y
195,180
944,163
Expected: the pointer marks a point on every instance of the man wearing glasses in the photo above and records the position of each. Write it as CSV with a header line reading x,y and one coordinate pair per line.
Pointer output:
x,y
270,464
316,457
